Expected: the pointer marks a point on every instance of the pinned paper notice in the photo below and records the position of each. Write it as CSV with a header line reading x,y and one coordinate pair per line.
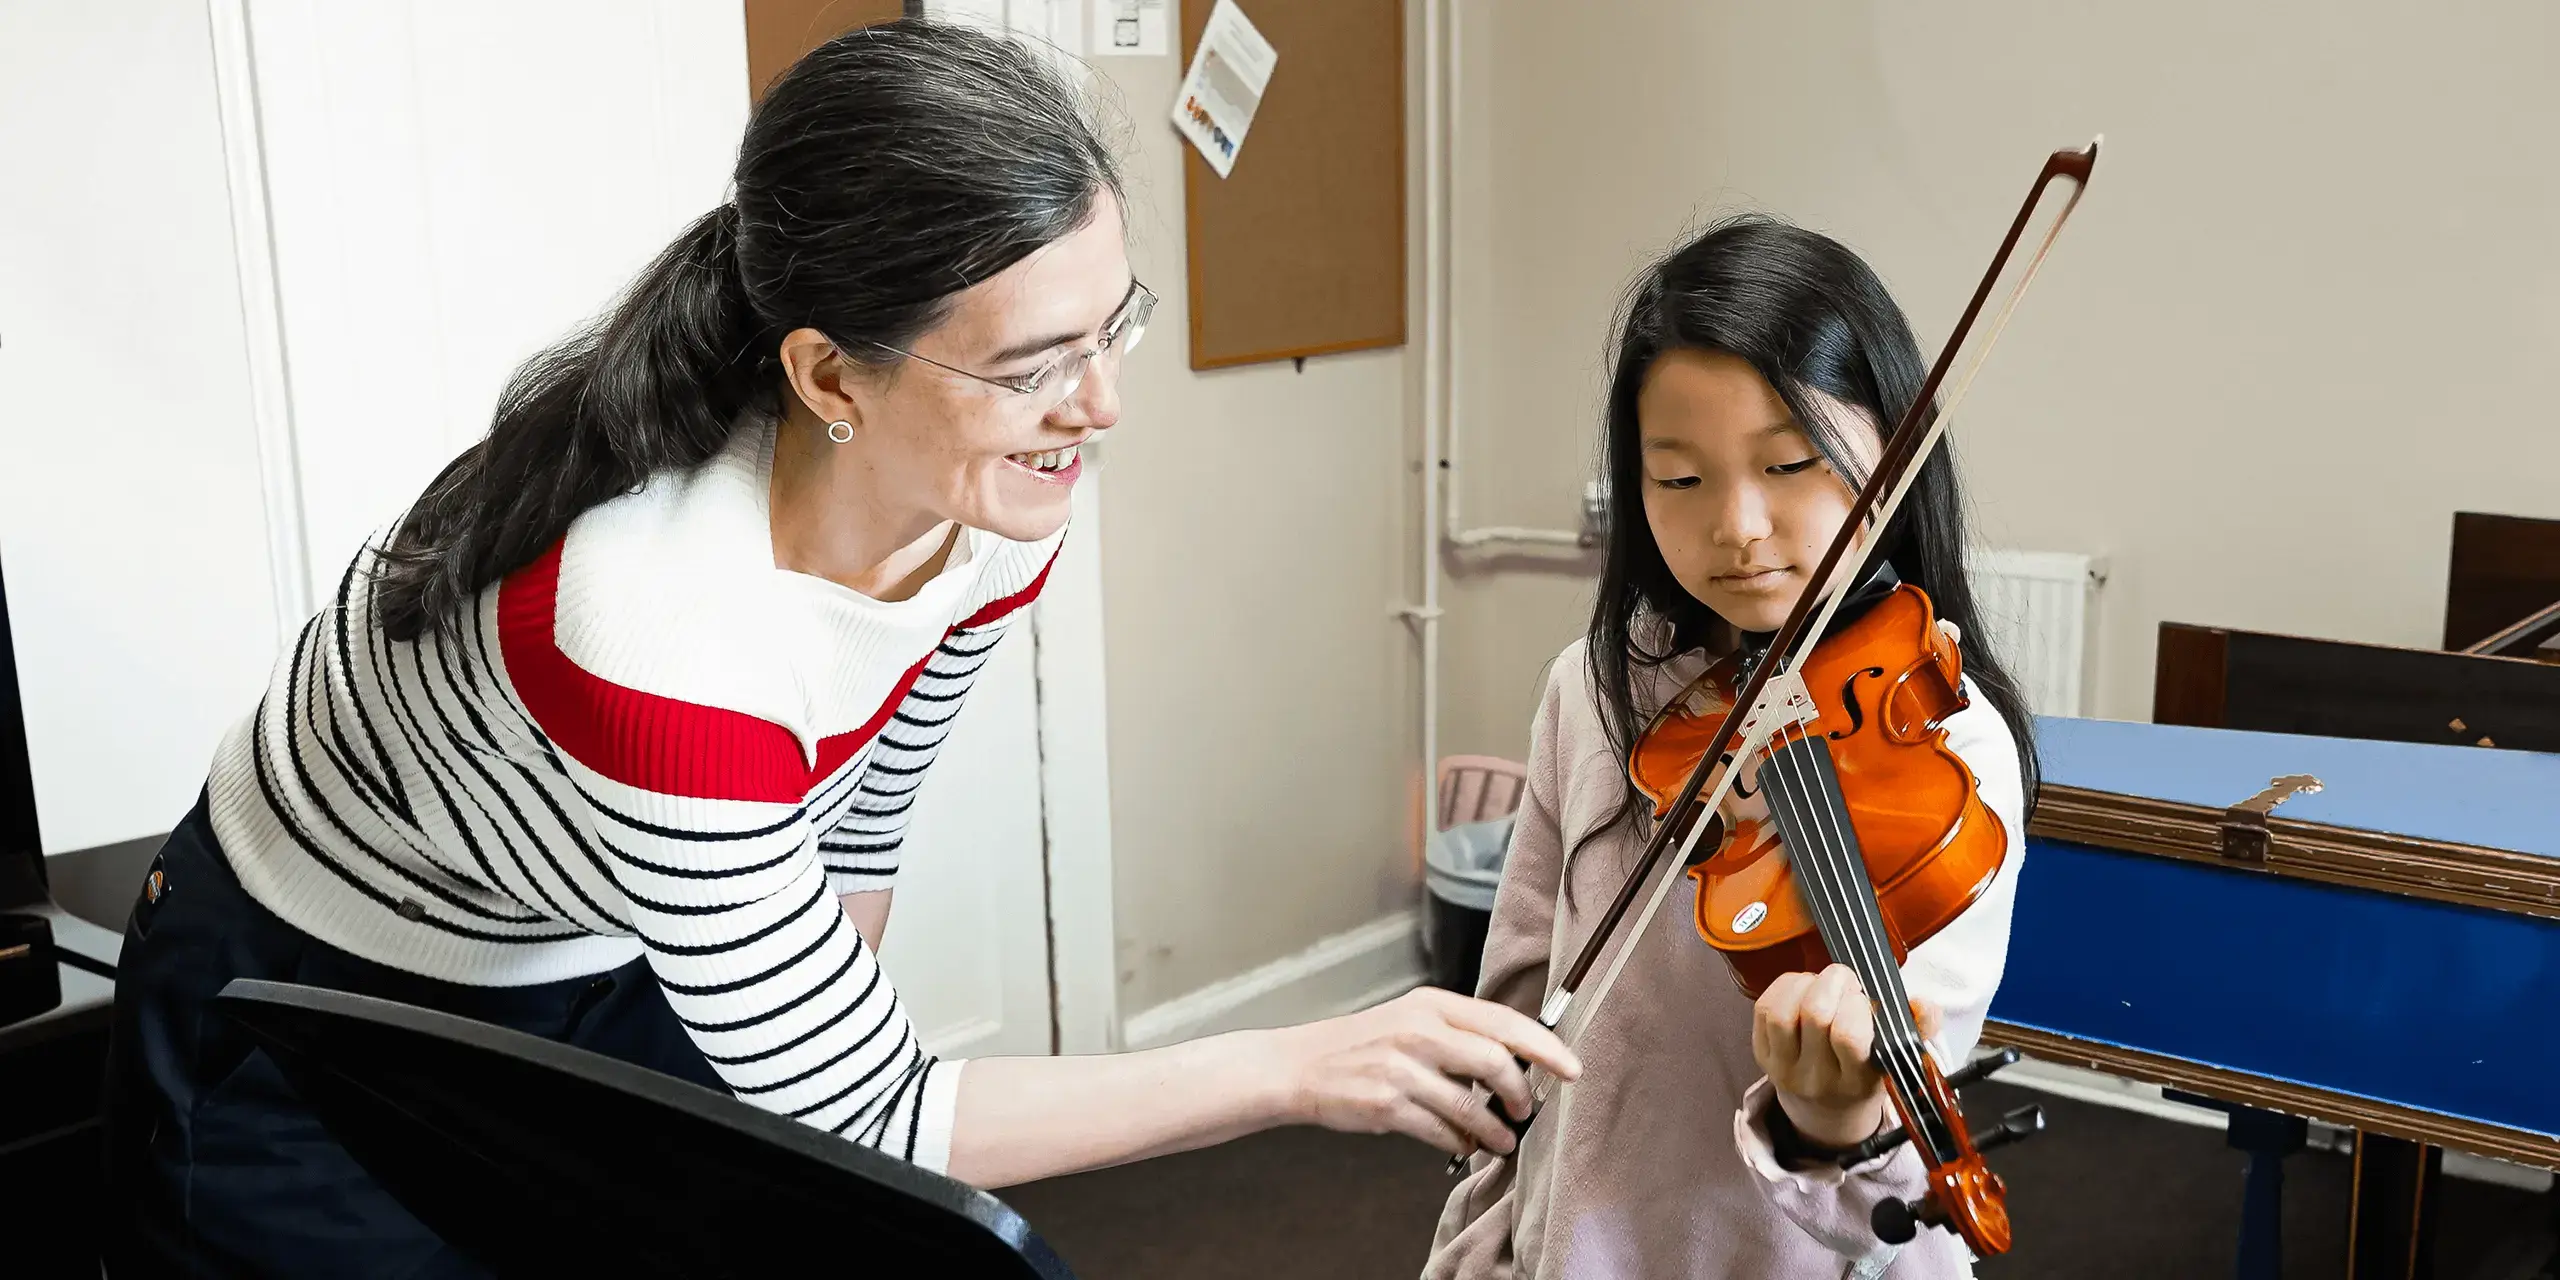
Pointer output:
x,y
1229,72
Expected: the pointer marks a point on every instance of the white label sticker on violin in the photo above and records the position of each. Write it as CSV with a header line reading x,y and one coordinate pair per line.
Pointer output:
x,y
1749,918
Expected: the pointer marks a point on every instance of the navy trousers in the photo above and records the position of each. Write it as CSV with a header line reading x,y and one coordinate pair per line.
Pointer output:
x,y
215,1167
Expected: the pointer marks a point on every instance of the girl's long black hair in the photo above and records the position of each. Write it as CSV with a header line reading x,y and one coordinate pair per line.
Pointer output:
x,y
1810,316
888,170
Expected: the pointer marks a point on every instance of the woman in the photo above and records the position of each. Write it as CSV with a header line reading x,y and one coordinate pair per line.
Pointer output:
x,y
612,738
1756,368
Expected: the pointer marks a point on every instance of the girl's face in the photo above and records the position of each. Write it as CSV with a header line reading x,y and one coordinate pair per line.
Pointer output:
x,y
1740,502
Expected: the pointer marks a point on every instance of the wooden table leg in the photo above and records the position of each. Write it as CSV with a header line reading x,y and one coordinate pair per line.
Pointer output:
x,y
2391,1221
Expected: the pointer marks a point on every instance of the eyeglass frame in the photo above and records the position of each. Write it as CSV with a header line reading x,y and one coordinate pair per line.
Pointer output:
x,y
1129,321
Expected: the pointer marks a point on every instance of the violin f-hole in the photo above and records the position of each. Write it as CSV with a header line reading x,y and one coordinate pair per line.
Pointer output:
x,y
1849,699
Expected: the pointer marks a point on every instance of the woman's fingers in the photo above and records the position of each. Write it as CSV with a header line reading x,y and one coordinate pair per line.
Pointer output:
x,y
1455,1104
1516,1031
1478,1059
1419,1122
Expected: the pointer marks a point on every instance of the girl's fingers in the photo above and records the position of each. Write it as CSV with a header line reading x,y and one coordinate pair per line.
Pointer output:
x,y
1853,1038
1833,990
1773,1024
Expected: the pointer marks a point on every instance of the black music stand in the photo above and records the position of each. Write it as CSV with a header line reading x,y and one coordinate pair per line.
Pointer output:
x,y
536,1158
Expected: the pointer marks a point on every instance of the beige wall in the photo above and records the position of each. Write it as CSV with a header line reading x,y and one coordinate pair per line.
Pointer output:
x,y
1256,526
2310,309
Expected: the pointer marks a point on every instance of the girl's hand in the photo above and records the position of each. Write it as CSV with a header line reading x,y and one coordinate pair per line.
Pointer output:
x,y
1814,1035
1408,1066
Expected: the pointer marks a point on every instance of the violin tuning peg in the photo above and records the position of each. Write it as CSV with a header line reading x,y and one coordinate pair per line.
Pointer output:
x,y
1981,1069
1873,1147
1898,1221
2017,1126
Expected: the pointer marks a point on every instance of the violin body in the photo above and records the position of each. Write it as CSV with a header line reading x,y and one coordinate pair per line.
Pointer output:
x,y
1885,684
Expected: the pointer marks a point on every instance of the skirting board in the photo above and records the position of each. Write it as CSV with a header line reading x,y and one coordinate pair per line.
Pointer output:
x,y
2084,1085
1348,971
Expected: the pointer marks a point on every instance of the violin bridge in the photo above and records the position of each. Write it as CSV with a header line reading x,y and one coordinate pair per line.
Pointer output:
x,y
1783,704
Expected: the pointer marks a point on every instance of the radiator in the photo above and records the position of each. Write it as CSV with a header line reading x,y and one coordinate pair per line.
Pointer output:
x,y
2035,604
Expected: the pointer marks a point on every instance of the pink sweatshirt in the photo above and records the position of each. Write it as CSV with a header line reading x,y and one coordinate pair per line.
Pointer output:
x,y
1658,1162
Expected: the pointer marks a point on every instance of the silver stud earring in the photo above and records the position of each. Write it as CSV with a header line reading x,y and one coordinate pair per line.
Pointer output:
x,y
840,431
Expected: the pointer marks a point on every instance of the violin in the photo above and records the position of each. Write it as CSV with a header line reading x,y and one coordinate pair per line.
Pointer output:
x,y
1908,808
1876,838
1881,835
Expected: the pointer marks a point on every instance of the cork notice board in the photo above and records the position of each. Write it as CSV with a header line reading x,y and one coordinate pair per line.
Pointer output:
x,y
1300,251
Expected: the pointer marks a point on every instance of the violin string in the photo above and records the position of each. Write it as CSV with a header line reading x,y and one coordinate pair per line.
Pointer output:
x,y
1856,931
1838,847
1821,867
1897,1036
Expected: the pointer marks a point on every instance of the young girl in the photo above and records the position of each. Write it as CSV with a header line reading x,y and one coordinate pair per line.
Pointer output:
x,y
1756,369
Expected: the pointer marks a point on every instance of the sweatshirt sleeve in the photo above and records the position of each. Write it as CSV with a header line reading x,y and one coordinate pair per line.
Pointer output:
x,y
1473,1238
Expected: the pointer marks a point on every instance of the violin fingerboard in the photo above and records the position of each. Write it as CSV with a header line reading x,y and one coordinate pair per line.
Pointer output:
x,y
1803,790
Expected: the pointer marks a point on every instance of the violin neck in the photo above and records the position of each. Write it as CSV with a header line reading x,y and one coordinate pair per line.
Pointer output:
x,y
1802,787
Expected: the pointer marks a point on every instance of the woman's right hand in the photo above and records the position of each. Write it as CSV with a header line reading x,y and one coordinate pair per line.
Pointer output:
x,y
1410,1065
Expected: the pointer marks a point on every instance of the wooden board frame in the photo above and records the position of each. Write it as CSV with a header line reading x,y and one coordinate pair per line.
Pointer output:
x,y
1302,250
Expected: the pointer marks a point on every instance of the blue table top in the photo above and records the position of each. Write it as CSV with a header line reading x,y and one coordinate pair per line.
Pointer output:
x,y
2466,795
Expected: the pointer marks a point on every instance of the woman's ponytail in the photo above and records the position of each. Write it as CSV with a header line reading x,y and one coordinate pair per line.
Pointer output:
x,y
659,382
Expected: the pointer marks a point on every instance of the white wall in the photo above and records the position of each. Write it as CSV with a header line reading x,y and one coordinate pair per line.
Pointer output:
x,y
129,470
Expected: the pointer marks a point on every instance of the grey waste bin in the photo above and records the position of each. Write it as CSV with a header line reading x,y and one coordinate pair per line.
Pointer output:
x,y
1462,868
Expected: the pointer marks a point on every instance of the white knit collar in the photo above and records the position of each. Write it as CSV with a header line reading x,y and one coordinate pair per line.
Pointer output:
x,y
750,455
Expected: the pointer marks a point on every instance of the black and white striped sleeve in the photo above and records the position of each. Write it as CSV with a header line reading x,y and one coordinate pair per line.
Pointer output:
x,y
862,851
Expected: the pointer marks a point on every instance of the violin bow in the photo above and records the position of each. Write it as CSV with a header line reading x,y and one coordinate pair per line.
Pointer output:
x,y
1773,694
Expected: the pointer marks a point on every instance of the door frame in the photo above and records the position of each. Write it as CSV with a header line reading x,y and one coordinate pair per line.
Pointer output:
x,y
1075,787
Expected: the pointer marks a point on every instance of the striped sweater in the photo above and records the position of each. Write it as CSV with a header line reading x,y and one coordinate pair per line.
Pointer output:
x,y
650,741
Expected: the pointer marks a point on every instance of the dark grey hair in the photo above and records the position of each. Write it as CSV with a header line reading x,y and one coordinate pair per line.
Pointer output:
x,y
891,168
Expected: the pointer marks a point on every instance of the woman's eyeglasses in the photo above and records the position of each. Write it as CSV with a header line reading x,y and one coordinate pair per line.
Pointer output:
x,y
1061,376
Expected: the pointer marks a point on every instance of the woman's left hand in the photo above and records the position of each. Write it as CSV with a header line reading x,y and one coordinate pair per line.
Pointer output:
x,y
1814,1034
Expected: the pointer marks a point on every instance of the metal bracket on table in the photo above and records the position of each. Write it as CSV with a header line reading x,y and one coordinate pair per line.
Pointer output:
x,y
2244,825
